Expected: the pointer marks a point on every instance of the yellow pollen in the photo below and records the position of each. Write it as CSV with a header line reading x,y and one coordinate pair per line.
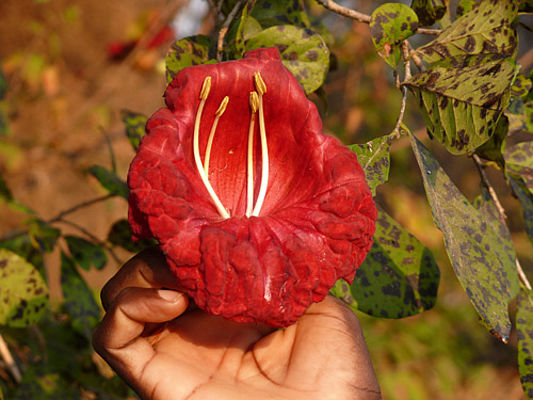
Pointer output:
x,y
222,106
206,87
218,114
254,101
259,84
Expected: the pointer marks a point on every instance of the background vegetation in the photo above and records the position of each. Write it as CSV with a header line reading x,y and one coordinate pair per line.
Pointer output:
x,y
71,69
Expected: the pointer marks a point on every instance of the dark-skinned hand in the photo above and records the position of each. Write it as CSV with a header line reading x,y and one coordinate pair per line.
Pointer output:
x,y
167,350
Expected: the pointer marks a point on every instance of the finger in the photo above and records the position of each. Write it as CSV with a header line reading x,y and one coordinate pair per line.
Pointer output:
x,y
118,339
148,269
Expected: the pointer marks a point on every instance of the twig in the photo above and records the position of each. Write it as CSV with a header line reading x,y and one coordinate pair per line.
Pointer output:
x,y
92,237
407,76
225,26
87,203
357,16
501,211
8,358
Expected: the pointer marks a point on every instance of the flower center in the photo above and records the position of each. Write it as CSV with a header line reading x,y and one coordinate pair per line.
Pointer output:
x,y
256,106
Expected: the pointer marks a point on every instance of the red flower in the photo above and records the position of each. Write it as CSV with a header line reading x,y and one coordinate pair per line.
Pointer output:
x,y
257,211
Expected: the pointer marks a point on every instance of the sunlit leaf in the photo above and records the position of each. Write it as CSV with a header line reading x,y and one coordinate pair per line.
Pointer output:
x,y
120,235
524,330
463,99
464,6
429,11
398,278
23,292
480,256
192,50
519,161
135,124
521,86
24,246
79,300
43,235
390,24
302,51
85,253
109,181
487,29
374,157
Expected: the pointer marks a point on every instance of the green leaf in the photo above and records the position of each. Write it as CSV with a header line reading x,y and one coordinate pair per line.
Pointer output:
x,y
120,235
519,161
192,50
482,259
525,197
43,235
464,6
302,51
79,300
526,6
521,86
5,193
23,292
524,330
135,124
110,181
463,99
492,149
85,253
24,246
391,23
487,29
281,12
398,278
374,157
429,11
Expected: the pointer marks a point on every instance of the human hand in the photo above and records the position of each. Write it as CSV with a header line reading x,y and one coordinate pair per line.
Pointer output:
x,y
166,350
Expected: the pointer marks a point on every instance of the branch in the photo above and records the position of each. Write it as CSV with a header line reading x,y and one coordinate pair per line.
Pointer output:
x,y
10,362
87,203
225,26
501,211
360,17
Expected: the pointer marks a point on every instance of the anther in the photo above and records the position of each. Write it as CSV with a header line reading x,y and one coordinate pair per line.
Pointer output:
x,y
206,88
218,114
254,101
259,84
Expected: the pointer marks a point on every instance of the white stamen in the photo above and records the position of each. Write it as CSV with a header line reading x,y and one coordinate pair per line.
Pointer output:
x,y
196,149
218,114
261,89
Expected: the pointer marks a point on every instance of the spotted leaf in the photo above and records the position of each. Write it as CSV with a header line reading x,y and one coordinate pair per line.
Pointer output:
x,y
23,292
525,197
464,6
463,99
302,51
110,181
280,12
374,157
480,256
192,50
519,161
79,300
120,235
85,253
390,24
524,330
486,29
398,278
429,11
134,123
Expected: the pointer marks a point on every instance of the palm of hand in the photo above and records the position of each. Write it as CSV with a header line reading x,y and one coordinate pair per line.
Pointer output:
x,y
166,352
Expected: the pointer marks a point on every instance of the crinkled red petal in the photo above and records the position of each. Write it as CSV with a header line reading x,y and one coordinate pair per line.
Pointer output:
x,y
318,217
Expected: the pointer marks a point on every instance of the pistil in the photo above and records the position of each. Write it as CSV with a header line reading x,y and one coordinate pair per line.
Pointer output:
x,y
204,93
254,105
261,89
218,114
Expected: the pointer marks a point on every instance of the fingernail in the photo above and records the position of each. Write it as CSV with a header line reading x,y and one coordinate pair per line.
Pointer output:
x,y
169,295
